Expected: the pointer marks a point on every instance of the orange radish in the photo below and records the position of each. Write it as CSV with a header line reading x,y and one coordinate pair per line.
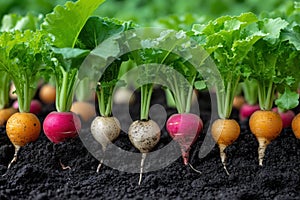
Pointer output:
x,y
225,132
84,109
238,102
265,125
22,128
296,126
47,94
5,115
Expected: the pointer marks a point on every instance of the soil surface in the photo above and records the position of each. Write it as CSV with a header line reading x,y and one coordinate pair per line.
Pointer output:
x,y
37,174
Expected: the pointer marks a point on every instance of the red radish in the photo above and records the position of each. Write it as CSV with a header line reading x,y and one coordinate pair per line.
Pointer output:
x,y
266,125
286,117
185,129
58,126
247,110
105,130
35,106
144,135
296,126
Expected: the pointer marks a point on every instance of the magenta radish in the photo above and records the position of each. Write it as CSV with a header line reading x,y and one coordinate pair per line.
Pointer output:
x,y
184,128
58,126
35,106
105,130
247,110
286,116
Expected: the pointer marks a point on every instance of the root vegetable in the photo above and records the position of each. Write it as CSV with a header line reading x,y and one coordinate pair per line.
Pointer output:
x,y
296,126
286,117
225,132
238,102
58,126
105,130
266,126
247,110
5,115
84,109
35,106
22,128
47,94
185,129
144,135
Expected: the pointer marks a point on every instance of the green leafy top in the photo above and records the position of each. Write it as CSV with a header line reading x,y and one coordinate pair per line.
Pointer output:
x,y
228,39
273,61
25,57
66,22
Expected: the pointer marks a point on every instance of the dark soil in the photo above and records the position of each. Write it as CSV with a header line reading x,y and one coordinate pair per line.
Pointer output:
x,y
38,175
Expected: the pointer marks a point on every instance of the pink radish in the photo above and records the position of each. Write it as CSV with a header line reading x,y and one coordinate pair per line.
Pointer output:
x,y
35,106
287,117
105,130
247,110
58,126
185,129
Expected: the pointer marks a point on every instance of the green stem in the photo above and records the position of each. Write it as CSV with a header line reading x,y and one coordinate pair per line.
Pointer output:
x,y
4,90
146,93
250,91
66,91
108,110
266,95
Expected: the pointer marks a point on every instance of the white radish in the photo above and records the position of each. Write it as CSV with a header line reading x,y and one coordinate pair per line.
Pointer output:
x,y
144,135
105,130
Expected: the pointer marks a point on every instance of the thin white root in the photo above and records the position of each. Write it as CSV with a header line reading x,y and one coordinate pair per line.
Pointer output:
x,y
63,166
191,166
99,166
263,143
223,157
142,167
17,148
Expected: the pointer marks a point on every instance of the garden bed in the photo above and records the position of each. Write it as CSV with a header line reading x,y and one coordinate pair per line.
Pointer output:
x,y
38,175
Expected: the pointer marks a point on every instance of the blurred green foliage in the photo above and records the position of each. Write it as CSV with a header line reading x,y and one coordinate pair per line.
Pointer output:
x,y
149,12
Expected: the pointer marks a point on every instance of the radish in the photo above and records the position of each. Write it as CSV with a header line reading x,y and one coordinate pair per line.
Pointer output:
x,y
286,117
247,110
105,130
35,106
58,126
144,135
185,129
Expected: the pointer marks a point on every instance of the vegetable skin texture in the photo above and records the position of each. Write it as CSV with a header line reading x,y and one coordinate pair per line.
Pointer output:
x,y
105,130
59,126
266,126
5,115
296,125
144,135
22,128
225,132
185,129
